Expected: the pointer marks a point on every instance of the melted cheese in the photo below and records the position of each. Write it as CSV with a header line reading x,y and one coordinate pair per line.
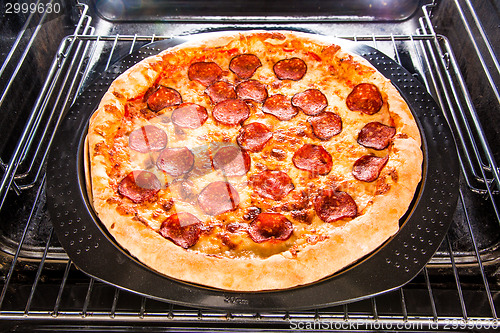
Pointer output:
x,y
288,136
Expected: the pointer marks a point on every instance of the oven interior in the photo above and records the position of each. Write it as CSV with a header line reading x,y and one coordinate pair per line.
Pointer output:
x,y
51,54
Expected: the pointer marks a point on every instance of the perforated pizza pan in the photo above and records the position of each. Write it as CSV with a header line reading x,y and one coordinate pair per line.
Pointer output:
x,y
393,264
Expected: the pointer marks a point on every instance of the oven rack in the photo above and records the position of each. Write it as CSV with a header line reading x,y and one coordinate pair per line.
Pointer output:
x,y
41,283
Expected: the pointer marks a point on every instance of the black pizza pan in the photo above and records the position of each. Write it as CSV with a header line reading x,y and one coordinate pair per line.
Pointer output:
x,y
392,265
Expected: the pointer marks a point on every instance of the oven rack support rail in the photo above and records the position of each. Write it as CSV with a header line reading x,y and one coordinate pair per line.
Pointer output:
x,y
25,166
439,70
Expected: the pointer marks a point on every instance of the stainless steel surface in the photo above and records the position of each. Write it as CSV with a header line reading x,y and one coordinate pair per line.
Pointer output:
x,y
257,11
449,46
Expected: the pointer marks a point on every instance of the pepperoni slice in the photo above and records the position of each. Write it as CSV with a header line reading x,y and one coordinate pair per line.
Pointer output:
x,y
139,186
189,115
182,229
218,197
147,138
232,161
376,135
204,72
175,161
273,185
252,90
313,158
254,136
244,65
220,91
312,101
270,227
231,112
366,98
326,125
331,205
280,107
163,97
290,69
367,168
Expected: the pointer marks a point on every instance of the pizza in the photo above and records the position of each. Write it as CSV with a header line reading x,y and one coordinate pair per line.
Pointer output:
x,y
253,160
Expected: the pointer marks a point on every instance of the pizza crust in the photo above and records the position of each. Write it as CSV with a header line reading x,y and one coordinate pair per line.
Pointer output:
x,y
344,245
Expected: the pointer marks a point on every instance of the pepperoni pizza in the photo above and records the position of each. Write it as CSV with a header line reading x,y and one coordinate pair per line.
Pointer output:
x,y
252,160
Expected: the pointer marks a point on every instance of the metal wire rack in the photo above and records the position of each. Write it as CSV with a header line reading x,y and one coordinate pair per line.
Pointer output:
x,y
456,290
